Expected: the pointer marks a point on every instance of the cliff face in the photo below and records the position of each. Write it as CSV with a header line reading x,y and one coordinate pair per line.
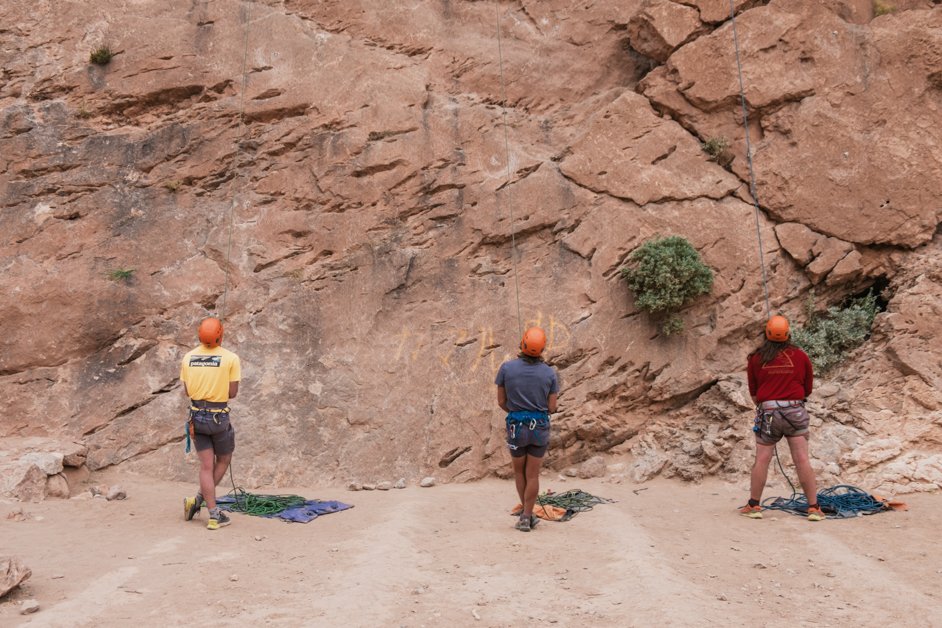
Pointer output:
x,y
341,181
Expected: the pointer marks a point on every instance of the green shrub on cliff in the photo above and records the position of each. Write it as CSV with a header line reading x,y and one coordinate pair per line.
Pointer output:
x,y
665,274
101,55
827,338
882,7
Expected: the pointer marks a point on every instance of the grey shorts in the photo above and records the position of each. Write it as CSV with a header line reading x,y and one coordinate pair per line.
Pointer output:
x,y
775,419
213,430
524,441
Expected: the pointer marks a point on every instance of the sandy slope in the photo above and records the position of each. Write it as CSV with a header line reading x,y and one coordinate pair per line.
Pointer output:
x,y
671,554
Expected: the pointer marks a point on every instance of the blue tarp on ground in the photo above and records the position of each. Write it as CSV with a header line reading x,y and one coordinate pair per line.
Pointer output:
x,y
308,511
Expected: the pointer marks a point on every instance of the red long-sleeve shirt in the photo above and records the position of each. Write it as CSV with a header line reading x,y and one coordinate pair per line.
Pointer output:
x,y
788,377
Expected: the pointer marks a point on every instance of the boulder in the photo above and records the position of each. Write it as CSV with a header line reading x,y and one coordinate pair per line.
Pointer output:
x,y
57,486
49,462
12,573
661,27
594,467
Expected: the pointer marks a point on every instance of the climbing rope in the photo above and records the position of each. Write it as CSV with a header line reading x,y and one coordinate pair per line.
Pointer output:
x,y
574,501
841,502
238,155
513,235
752,174
258,504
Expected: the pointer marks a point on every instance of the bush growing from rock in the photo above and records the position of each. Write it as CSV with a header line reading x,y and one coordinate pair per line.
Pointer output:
x,y
827,338
665,274
101,55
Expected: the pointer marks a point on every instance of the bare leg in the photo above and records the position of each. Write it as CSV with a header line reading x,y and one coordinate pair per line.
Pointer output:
x,y
760,470
799,449
520,478
219,469
532,484
207,483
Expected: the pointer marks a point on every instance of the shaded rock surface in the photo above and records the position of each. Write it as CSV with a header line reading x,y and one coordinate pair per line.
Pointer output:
x,y
366,176
12,573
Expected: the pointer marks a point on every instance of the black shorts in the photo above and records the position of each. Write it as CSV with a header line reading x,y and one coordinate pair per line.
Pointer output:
x,y
524,441
213,430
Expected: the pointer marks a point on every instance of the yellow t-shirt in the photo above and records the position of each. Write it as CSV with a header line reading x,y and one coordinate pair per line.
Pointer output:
x,y
207,373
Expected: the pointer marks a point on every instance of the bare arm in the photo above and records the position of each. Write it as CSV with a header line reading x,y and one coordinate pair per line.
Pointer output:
x,y
502,398
551,402
233,389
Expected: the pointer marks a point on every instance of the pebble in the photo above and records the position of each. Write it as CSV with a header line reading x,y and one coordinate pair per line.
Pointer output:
x,y
354,486
401,483
116,492
427,482
28,606
722,598
476,614
258,537
233,578
369,487
384,486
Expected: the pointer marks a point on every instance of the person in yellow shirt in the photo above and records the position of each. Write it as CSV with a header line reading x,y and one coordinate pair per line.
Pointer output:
x,y
210,376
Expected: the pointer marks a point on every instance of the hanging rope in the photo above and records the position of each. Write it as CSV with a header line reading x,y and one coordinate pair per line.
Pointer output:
x,y
513,235
752,174
238,156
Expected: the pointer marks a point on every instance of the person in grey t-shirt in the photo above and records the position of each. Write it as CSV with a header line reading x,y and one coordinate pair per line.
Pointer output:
x,y
526,389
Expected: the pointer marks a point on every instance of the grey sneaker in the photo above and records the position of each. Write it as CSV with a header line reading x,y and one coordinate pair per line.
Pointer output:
x,y
533,521
523,524
217,521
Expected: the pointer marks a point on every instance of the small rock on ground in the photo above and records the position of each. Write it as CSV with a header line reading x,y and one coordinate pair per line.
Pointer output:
x,y
384,486
28,606
401,483
115,492
427,482
354,486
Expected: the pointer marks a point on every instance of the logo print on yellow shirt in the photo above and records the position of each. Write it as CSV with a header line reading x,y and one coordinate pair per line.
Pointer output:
x,y
206,360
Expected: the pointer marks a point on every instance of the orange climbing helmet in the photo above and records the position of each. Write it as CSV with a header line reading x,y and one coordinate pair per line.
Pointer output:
x,y
534,341
776,329
210,332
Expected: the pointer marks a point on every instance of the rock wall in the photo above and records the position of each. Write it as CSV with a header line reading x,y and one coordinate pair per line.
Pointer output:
x,y
356,191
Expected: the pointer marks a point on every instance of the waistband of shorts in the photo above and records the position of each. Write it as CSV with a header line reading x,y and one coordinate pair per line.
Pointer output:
x,y
776,404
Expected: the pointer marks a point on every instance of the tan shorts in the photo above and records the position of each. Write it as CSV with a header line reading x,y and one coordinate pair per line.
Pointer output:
x,y
775,419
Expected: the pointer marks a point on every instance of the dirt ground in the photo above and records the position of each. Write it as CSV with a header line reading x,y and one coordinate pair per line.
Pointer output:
x,y
666,553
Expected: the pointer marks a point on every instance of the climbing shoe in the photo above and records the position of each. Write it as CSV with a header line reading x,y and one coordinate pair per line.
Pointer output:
x,y
218,521
815,514
523,524
753,512
533,521
191,507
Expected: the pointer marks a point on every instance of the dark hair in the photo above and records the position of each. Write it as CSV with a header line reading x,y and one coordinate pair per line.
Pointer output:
x,y
532,359
770,349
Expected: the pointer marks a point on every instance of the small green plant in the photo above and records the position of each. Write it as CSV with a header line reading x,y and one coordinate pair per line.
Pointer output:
x,y
665,274
718,150
84,112
882,7
827,338
121,274
101,55
172,186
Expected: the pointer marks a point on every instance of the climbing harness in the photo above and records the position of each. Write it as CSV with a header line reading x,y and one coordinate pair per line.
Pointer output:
x,y
513,234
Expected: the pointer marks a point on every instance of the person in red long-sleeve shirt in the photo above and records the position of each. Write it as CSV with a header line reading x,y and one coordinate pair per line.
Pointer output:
x,y
780,380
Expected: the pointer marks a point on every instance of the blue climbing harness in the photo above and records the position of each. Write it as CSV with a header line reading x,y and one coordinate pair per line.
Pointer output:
x,y
533,419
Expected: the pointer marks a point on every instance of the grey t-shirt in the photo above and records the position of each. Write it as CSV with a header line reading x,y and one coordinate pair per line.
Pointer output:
x,y
528,384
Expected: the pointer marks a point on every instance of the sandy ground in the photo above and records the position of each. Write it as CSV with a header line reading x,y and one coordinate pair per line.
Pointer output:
x,y
671,554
